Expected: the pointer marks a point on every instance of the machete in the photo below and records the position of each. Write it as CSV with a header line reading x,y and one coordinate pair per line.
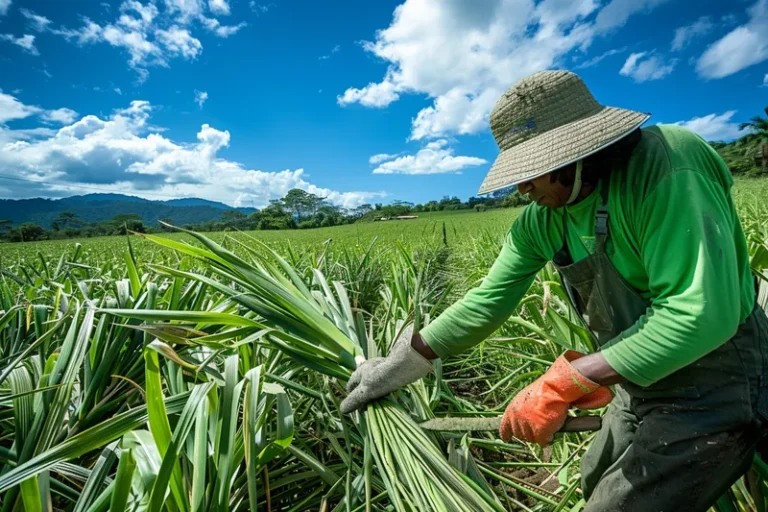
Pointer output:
x,y
578,424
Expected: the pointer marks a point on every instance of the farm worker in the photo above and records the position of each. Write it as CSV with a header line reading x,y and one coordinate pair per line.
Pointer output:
x,y
642,227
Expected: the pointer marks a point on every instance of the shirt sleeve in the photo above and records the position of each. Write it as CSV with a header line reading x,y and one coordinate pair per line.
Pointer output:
x,y
685,231
483,309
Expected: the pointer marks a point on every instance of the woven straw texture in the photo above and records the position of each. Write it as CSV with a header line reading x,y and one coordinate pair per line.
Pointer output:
x,y
549,120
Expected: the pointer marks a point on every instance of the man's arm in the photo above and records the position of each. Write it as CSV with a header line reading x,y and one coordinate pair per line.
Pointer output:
x,y
686,235
596,368
484,308
420,346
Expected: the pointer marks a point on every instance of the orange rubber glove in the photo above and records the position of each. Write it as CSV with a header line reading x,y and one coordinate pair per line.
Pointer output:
x,y
540,410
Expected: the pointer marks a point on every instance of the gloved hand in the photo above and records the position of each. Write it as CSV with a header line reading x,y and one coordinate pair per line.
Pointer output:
x,y
380,376
540,410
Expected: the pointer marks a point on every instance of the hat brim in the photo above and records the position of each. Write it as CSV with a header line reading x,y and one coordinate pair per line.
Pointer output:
x,y
561,146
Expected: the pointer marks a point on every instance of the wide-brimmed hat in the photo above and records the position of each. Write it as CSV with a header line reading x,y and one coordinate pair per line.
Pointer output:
x,y
548,120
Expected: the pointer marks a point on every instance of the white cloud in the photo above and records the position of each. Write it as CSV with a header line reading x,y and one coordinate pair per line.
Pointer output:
x,y
228,30
335,49
744,46
118,91
258,8
220,30
765,80
27,41
220,7
90,32
186,9
178,41
124,153
200,98
372,95
645,66
381,157
713,126
26,134
11,108
464,55
599,58
39,23
150,36
434,158
617,12
143,52
685,35
4,5
60,115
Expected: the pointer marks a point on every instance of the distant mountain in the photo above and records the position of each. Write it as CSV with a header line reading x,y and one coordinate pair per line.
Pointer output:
x,y
101,207
194,201
100,198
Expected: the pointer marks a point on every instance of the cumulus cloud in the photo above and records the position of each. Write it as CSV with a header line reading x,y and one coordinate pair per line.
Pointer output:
x,y
27,41
151,36
220,30
436,157
685,35
60,115
381,157
372,95
179,41
124,153
200,98
11,108
713,126
464,55
4,5
646,66
219,7
741,48
185,9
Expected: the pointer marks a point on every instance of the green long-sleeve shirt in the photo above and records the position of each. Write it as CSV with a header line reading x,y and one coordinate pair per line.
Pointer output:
x,y
675,238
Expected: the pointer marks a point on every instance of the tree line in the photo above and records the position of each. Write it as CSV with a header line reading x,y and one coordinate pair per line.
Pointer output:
x,y
298,209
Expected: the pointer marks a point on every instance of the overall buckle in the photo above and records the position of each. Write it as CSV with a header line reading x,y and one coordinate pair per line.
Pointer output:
x,y
601,223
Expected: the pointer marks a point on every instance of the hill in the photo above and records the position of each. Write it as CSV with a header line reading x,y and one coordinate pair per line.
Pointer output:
x,y
93,208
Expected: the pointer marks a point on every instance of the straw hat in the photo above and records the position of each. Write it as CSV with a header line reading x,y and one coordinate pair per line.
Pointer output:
x,y
548,120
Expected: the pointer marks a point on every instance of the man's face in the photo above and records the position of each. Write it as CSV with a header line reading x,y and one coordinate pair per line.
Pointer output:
x,y
546,192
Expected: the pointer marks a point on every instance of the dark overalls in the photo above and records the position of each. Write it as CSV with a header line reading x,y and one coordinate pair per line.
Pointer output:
x,y
680,443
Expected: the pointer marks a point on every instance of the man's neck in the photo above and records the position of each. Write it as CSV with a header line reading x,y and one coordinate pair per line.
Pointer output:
x,y
586,190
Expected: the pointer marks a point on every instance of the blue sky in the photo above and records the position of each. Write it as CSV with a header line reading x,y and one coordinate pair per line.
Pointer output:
x,y
239,100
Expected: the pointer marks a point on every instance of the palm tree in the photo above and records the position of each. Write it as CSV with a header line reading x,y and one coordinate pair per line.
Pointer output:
x,y
756,142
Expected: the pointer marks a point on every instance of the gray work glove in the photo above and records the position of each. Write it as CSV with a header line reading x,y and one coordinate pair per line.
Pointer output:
x,y
380,376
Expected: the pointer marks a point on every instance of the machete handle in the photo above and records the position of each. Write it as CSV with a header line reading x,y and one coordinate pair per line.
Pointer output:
x,y
582,424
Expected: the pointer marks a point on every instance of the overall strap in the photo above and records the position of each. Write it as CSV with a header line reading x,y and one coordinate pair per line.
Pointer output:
x,y
563,258
601,218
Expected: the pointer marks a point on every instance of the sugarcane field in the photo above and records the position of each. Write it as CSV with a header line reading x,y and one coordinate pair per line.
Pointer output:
x,y
205,372
390,256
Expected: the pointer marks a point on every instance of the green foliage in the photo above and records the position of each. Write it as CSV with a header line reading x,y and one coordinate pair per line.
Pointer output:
x,y
748,155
